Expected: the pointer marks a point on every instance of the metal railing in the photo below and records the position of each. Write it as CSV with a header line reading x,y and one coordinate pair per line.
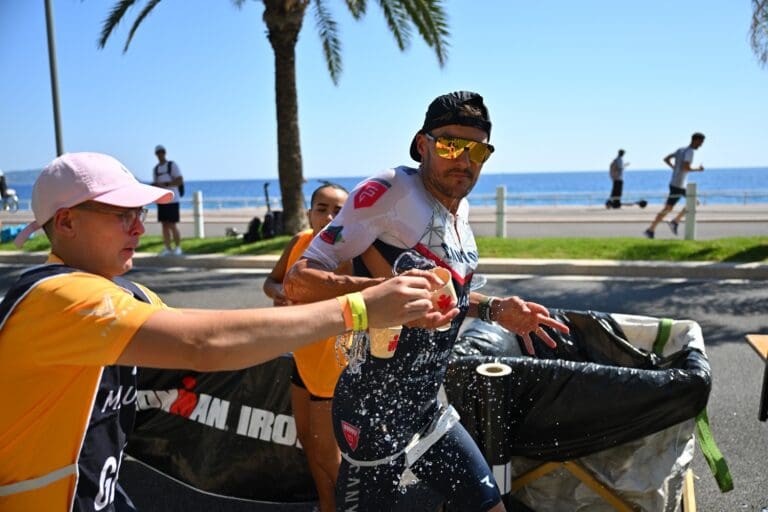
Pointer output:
x,y
597,199
510,199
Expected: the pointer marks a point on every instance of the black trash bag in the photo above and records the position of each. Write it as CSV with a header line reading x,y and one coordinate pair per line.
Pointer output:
x,y
594,391
478,338
254,231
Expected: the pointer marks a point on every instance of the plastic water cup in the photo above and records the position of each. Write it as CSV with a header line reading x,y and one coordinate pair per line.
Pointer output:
x,y
384,341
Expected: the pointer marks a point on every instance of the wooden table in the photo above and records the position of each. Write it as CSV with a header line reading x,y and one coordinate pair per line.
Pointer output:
x,y
759,342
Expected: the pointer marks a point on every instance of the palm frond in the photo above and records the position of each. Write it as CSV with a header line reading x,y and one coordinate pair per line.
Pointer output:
x,y
398,22
115,15
759,30
430,20
329,36
357,8
143,14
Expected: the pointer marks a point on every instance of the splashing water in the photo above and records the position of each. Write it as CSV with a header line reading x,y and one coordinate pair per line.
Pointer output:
x,y
353,347
407,479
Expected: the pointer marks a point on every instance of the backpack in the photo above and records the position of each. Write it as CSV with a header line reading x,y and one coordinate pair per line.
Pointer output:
x,y
254,231
181,185
268,228
613,170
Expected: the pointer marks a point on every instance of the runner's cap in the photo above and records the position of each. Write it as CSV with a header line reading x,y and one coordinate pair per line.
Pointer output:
x,y
159,147
74,178
461,107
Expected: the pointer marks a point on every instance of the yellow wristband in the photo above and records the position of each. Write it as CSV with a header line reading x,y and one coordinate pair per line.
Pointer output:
x,y
346,311
359,313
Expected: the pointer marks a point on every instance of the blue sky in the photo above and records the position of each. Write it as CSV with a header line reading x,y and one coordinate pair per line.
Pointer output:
x,y
567,84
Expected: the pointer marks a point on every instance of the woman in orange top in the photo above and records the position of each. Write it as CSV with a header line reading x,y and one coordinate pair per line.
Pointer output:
x,y
317,366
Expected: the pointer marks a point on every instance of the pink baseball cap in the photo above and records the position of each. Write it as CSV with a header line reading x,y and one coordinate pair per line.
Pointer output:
x,y
74,178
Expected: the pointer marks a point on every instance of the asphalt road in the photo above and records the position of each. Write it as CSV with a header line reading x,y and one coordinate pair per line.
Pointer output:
x,y
726,310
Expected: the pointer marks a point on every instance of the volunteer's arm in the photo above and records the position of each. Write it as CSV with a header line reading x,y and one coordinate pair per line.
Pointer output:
x,y
231,339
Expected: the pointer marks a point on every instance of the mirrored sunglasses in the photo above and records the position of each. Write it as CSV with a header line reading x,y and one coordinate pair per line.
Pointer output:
x,y
452,148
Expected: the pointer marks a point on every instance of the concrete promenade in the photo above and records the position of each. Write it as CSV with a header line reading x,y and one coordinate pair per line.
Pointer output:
x,y
713,221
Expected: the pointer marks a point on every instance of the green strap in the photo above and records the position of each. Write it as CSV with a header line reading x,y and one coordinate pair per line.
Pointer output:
x,y
662,335
707,444
712,454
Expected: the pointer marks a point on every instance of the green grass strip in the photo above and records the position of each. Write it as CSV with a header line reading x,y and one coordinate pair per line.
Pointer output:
x,y
728,250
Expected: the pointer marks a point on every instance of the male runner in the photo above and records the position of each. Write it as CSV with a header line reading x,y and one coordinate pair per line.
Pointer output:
x,y
400,447
680,162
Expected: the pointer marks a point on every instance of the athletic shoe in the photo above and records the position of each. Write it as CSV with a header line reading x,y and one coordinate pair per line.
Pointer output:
x,y
165,252
673,226
177,251
649,234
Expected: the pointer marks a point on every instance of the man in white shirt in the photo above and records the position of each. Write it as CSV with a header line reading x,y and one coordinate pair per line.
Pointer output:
x,y
680,161
167,175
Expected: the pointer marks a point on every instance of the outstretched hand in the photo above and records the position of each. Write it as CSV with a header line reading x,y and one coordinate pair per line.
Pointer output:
x,y
524,318
404,299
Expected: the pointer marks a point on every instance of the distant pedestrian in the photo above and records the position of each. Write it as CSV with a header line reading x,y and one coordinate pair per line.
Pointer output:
x,y
168,176
616,172
3,186
680,161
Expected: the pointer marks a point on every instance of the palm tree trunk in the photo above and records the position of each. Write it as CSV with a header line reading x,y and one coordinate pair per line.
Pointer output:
x,y
283,19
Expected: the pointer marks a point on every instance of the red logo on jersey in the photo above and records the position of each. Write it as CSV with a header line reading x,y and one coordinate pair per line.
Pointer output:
x,y
370,192
351,434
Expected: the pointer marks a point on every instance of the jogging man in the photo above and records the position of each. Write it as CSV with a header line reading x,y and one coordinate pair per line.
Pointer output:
x,y
400,447
680,161
72,331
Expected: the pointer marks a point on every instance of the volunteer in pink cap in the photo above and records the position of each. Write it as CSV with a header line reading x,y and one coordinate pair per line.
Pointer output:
x,y
73,330
74,178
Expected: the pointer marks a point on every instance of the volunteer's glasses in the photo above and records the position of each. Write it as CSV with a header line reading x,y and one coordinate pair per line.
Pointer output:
x,y
128,216
452,148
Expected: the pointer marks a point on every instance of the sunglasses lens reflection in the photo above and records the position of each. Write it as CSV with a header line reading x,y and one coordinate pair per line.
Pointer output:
x,y
452,148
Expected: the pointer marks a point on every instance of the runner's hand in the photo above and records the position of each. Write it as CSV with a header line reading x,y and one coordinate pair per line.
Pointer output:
x,y
403,299
523,318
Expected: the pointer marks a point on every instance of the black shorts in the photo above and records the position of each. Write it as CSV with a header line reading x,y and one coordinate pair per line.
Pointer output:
x,y
297,381
675,193
453,471
168,212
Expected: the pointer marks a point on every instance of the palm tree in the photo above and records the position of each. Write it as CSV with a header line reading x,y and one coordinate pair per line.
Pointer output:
x,y
759,30
284,20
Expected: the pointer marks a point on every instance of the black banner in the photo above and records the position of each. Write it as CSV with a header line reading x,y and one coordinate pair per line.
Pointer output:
x,y
228,433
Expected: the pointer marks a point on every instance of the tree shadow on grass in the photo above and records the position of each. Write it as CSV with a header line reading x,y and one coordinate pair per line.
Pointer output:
x,y
231,245
754,253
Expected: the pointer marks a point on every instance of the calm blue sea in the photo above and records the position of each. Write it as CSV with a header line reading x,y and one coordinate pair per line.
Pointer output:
x,y
715,186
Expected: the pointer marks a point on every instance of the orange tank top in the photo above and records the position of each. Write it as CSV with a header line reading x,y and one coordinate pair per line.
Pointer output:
x,y
319,364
